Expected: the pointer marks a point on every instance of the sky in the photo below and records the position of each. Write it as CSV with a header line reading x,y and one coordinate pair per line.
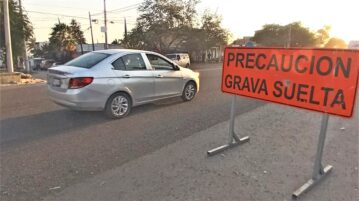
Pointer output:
x,y
241,18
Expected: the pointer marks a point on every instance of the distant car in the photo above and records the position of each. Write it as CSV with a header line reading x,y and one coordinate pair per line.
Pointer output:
x,y
116,80
46,64
36,63
181,59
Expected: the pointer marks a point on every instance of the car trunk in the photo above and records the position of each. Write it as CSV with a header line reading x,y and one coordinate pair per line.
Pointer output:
x,y
58,77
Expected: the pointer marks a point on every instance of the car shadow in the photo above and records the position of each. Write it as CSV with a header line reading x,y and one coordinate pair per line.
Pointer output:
x,y
20,129
27,128
156,105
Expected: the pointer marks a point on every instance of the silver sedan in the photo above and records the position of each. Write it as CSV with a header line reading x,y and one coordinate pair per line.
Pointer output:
x,y
116,80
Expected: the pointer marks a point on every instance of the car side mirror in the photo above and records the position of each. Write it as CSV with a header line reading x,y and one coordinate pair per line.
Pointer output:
x,y
175,67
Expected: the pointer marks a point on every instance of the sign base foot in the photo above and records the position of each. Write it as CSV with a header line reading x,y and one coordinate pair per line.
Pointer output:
x,y
312,182
222,148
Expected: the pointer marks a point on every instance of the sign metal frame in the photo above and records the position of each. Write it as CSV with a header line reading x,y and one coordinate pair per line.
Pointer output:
x,y
319,173
234,139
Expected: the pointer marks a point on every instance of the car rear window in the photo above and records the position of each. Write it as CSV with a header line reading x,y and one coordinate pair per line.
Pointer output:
x,y
87,60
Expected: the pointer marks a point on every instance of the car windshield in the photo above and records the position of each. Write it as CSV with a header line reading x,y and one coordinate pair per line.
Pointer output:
x,y
87,60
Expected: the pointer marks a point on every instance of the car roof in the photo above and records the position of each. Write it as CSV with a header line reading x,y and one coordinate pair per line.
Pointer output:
x,y
116,51
176,53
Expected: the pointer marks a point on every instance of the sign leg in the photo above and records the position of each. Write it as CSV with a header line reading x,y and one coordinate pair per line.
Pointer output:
x,y
319,173
233,139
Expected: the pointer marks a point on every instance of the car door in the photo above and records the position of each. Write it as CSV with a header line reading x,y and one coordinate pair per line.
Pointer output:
x,y
168,79
135,76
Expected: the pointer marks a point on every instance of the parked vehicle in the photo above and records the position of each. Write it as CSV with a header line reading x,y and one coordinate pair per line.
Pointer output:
x,y
181,59
47,63
35,63
116,80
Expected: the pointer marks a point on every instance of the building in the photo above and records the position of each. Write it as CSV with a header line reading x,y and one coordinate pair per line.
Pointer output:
x,y
353,44
245,41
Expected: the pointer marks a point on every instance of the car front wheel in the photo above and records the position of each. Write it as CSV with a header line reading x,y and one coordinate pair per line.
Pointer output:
x,y
189,91
118,105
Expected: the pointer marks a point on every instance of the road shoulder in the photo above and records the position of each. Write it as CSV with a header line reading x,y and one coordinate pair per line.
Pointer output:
x,y
278,159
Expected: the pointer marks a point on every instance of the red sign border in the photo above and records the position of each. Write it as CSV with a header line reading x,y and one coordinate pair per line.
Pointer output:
x,y
282,48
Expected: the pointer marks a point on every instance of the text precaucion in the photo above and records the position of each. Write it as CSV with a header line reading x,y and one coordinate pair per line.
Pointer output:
x,y
318,79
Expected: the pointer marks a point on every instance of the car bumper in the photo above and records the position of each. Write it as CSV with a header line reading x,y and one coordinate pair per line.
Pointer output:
x,y
77,99
197,81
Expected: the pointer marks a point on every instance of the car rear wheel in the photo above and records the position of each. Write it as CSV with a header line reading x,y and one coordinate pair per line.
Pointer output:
x,y
118,105
189,91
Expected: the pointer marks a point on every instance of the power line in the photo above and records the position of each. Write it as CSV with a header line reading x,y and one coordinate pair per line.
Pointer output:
x,y
130,7
118,16
121,11
50,19
56,14
52,6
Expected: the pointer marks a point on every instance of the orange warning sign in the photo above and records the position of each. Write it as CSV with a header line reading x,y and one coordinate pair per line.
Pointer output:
x,y
324,80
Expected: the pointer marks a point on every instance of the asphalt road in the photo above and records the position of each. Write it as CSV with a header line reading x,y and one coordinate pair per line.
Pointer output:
x,y
45,148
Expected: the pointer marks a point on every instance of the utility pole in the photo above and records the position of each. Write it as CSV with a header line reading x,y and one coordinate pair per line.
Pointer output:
x,y
93,45
125,36
26,59
9,62
289,36
104,12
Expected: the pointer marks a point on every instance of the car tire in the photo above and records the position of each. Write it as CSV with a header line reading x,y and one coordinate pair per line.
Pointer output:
x,y
187,65
189,91
118,105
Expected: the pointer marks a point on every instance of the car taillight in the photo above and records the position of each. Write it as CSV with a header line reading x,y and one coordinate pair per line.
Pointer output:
x,y
79,82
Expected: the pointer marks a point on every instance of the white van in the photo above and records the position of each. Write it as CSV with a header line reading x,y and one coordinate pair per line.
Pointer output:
x,y
182,59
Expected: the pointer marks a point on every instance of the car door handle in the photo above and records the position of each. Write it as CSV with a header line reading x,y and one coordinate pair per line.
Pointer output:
x,y
159,76
126,76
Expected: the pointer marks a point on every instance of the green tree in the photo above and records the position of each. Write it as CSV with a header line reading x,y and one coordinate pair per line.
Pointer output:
x,y
293,34
272,35
214,34
44,51
116,42
162,24
170,25
323,35
20,29
62,42
335,43
78,34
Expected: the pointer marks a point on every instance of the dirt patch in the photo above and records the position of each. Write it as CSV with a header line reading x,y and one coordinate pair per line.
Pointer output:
x,y
32,81
19,78
24,81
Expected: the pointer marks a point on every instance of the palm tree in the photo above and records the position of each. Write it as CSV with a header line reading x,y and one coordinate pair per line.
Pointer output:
x,y
21,29
62,40
75,29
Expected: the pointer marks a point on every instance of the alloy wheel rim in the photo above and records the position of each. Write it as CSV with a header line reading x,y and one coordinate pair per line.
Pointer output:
x,y
190,91
119,106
